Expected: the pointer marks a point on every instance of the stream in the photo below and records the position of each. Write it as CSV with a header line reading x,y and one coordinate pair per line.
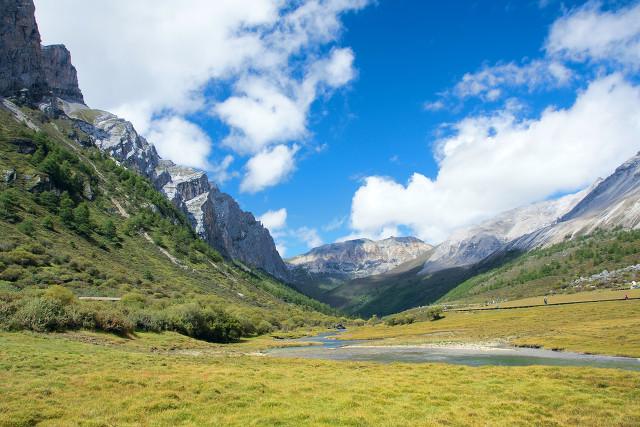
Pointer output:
x,y
329,348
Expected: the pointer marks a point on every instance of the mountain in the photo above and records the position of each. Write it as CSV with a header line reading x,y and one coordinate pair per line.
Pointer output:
x,y
358,258
472,244
324,268
215,216
88,208
44,77
613,202
510,255
27,67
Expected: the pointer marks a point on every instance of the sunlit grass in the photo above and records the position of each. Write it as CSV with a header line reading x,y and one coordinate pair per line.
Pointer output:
x,y
604,328
52,380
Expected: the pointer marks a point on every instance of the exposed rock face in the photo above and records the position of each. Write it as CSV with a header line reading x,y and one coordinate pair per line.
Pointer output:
x,y
360,258
20,51
215,216
473,244
25,64
60,74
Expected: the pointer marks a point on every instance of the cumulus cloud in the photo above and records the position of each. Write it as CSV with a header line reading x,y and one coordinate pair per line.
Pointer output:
x,y
490,82
266,111
274,220
268,168
181,141
497,162
157,58
592,34
309,236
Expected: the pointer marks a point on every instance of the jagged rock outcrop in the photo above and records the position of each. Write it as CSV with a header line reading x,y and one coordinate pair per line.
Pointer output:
x,y
25,64
359,258
60,74
215,216
20,51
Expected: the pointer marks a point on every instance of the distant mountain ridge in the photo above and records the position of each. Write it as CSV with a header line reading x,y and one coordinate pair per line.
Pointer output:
x,y
472,244
359,258
613,202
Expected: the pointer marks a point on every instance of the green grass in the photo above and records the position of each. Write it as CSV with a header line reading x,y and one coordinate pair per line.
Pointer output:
x,y
554,269
611,328
59,380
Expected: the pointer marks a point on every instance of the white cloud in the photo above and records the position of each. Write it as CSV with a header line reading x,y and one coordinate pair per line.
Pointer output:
x,y
335,223
272,108
268,168
155,58
309,236
181,141
282,250
274,220
434,105
591,34
497,162
489,82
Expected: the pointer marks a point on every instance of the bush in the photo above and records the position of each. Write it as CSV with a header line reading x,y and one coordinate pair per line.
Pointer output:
x,y
12,273
48,222
209,324
40,315
61,294
9,204
109,319
26,227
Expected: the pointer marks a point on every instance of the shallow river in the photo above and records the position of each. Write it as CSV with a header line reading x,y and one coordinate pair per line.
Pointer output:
x,y
331,349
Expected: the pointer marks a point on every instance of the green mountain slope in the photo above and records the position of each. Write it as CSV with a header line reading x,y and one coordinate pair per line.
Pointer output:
x,y
570,266
70,216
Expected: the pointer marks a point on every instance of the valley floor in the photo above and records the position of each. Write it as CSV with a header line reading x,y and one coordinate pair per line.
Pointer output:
x,y
608,327
86,378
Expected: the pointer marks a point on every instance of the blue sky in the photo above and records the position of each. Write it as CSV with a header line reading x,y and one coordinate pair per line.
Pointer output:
x,y
374,97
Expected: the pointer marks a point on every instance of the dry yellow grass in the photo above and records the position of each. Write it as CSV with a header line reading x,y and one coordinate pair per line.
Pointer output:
x,y
597,295
51,380
605,328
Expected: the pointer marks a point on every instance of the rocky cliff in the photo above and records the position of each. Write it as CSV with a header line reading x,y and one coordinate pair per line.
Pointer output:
x,y
59,73
215,216
359,258
25,64
45,77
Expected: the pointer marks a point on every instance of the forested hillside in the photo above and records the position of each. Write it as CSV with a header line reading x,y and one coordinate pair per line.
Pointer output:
x,y
74,223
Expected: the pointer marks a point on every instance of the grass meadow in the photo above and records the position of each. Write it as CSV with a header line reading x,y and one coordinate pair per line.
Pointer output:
x,y
98,380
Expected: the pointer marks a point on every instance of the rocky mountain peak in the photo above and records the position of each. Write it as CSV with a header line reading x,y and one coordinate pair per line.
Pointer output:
x,y
25,64
360,257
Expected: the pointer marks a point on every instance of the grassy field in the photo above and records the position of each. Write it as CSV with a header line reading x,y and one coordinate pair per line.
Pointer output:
x,y
611,328
597,295
164,379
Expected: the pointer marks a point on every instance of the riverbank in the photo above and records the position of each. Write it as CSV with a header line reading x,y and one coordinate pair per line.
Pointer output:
x,y
608,328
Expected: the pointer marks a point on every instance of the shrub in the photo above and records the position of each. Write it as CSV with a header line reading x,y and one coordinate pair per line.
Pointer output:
x,y
49,200
109,319
61,294
26,227
48,222
40,315
9,204
12,273
209,324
